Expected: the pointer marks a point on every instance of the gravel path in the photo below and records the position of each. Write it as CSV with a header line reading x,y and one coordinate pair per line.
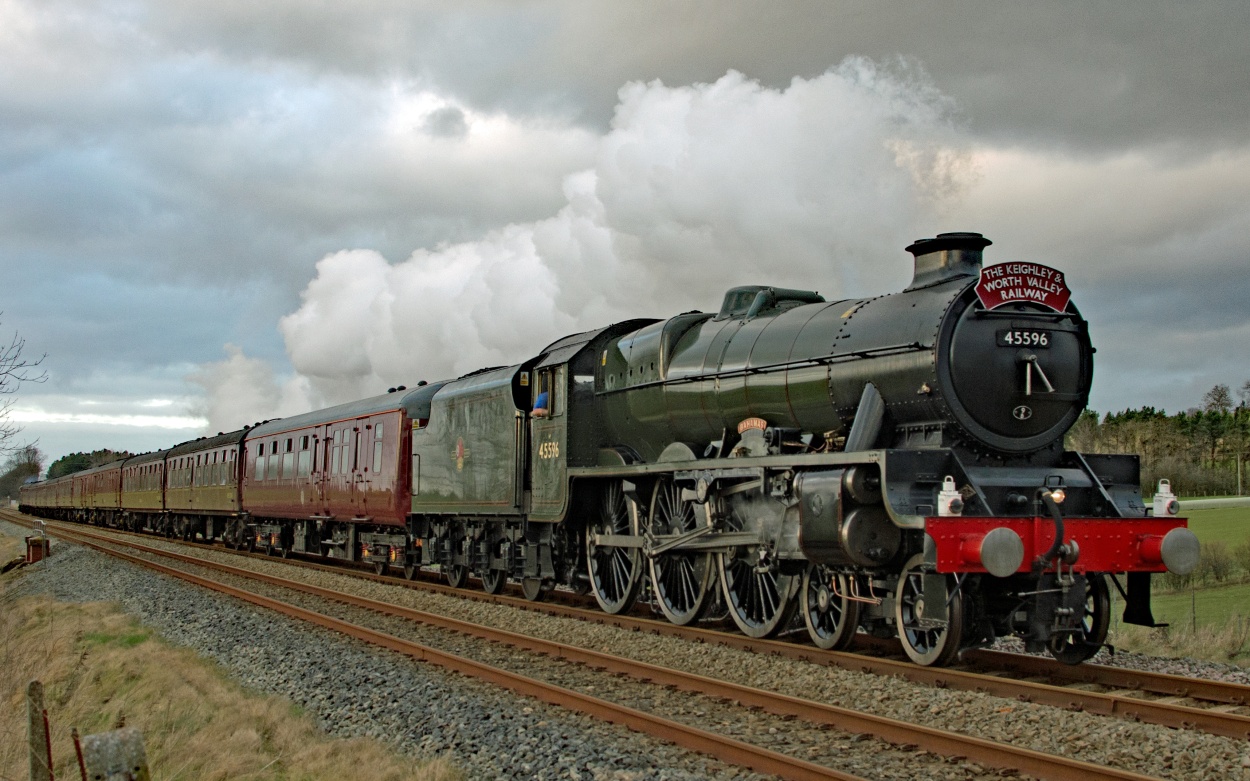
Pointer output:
x,y
465,721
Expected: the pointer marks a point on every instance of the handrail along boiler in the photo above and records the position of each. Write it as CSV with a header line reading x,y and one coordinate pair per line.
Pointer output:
x,y
893,465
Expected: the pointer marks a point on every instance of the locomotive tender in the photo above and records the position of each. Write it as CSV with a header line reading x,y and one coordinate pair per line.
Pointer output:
x,y
893,465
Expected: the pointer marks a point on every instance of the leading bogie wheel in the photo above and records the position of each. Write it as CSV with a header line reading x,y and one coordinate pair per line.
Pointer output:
x,y
680,580
831,616
1077,647
615,571
930,633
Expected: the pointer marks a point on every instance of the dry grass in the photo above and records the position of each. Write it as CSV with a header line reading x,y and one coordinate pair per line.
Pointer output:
x,y
1228,642
98,667
11,548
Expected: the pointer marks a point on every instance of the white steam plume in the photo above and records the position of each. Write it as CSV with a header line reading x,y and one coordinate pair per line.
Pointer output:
x,y
694,190
240,391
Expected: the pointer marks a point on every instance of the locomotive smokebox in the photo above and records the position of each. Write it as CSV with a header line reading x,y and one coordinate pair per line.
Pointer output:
x,y
946,256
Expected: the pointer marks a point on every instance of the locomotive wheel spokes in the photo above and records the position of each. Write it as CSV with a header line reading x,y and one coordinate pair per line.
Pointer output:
x,y
831,618
680,580
1074,648
615,573
930,633
760,600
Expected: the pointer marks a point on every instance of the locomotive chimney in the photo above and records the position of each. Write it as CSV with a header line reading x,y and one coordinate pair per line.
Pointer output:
x,y
947,256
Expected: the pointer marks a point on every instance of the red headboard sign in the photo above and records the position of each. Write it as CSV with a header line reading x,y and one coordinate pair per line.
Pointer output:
x,y
1013,283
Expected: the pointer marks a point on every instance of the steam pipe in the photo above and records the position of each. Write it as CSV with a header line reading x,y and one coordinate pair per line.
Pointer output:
x,y
1057,548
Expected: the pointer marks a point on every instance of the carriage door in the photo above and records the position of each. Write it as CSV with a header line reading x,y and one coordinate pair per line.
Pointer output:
x,y
549,444
341,472
373,486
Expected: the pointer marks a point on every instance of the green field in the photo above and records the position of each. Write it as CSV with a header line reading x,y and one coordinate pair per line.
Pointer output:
x,y
1207,619
1215,605
1211,605
1231,525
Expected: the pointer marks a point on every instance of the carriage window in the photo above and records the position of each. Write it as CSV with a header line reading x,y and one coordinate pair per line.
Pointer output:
x,y
305,463
260,462
377,448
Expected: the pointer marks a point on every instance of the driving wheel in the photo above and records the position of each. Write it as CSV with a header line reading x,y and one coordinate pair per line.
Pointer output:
x,y
680,580
615,571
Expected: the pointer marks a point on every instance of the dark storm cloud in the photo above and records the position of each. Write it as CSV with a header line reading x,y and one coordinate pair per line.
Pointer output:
x,y
1072,74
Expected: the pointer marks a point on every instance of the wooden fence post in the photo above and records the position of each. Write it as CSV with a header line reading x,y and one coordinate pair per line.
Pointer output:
x,y
37,729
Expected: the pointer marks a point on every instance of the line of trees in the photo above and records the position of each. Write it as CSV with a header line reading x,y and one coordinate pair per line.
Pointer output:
x,y
1203,450
77,462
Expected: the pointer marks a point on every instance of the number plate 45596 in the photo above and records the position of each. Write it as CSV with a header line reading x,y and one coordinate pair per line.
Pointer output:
x,y
1024,338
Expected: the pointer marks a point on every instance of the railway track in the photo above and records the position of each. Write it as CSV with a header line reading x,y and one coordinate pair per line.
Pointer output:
x,y
1215,707
758,758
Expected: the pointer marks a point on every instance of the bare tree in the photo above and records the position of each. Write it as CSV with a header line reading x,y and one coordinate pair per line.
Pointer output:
x,y
14,370
22,464
1218,399
1244,393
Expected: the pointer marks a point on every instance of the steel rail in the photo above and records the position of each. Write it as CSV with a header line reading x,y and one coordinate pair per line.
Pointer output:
x,y
1116,677
1161,712
1105,704
1164,713
938,741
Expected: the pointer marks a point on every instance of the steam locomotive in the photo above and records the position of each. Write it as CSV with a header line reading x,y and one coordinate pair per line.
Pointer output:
x,y
892,465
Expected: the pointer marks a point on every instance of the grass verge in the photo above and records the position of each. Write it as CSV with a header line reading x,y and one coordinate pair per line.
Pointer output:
x,y
100,667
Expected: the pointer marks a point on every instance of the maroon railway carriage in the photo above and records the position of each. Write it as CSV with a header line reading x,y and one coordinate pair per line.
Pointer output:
x,y
335,482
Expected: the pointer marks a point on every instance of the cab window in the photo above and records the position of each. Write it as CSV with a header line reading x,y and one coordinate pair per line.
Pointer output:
x,y
549,393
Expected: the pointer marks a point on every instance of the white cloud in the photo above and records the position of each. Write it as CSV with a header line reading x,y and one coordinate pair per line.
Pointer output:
x,y
693,190
240,391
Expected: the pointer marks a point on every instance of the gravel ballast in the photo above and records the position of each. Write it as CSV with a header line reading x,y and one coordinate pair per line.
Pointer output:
x,y
522,739
354,690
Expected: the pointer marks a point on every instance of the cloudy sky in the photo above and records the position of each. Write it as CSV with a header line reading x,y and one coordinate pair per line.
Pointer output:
x,y
217,212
